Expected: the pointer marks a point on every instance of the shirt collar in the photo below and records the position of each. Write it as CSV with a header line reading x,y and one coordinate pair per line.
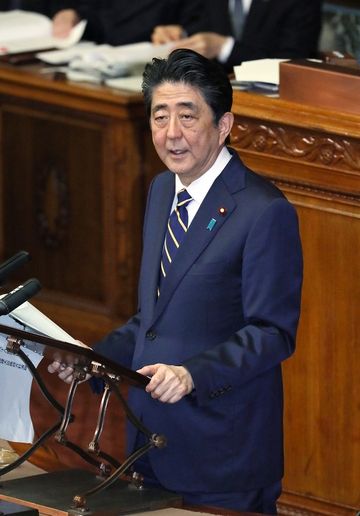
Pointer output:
x,y
200,187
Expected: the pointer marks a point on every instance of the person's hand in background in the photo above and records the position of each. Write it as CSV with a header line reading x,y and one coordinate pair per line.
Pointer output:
x,y
208,44
63,22
167,34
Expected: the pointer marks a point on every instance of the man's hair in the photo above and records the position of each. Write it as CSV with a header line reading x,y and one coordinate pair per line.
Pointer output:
x,y
191,68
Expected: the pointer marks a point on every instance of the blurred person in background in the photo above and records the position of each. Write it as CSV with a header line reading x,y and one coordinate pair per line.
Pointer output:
x,y
38,6
119,22
242,30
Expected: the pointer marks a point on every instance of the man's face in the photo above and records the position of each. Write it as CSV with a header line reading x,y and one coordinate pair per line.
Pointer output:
x,y
183,130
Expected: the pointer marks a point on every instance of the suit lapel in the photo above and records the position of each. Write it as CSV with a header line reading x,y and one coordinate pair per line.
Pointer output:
x,y
200,234
155,234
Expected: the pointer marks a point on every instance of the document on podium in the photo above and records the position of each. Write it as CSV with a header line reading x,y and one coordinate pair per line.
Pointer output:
x,y
23,31
15,378
259,75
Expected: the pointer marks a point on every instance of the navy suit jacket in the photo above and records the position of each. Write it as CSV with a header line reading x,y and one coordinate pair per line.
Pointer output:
x,y
228,311
273,28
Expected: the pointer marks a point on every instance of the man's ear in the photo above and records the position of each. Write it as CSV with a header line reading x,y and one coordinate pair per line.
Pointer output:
x,y
225,125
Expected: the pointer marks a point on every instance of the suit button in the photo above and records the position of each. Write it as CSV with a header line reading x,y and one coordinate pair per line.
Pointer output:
x,y
150,335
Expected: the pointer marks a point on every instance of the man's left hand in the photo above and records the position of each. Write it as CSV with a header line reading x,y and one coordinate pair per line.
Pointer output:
x,y
168,383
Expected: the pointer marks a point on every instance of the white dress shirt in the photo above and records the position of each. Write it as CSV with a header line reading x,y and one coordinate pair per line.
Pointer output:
x,y
200,187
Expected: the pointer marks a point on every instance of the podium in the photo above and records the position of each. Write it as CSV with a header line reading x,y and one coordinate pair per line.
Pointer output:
x,y
114,487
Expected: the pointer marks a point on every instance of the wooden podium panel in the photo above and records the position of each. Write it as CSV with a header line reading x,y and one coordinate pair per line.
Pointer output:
x,y
313,155
328,85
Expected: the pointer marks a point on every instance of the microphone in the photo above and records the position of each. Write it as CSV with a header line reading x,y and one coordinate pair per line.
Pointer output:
x,y
19,295
13,263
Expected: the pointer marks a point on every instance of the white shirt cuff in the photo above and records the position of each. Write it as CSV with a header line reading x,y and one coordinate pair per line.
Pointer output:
x,y
226,49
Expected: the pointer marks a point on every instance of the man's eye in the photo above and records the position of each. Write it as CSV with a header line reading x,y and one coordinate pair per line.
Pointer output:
x,y
187,116
161,119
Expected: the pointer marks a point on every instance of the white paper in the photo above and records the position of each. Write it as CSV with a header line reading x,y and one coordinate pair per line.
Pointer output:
x,y
59,57
126,83
22,24
15,388
74,37
142,52
22,31
100,63
15,378
260,70
35,320
100,55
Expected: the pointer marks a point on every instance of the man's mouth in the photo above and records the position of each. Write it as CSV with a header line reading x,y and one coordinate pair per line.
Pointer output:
x,y
177,152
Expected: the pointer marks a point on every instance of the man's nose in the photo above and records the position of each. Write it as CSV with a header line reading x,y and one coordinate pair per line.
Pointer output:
x,y
174,128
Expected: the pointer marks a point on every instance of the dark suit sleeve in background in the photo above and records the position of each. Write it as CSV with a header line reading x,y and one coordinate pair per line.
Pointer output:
x,y
120,22
37,6
188,14
273,29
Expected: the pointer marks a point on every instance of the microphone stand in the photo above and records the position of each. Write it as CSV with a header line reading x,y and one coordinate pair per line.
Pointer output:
x,y
84,362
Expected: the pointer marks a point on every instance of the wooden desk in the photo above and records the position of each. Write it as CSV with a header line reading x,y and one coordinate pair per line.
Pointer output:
x,y
313,155
75,164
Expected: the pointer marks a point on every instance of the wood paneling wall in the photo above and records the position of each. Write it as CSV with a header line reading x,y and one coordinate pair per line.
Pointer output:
x,y
75,165
314,157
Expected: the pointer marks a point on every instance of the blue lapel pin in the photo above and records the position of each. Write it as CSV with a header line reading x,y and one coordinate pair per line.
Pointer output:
x,y
211,224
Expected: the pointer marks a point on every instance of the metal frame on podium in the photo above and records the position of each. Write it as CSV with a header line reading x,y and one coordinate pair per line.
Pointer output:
x,y
87,363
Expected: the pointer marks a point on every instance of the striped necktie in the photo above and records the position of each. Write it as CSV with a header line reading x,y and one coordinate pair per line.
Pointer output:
x,y
237,17
176,230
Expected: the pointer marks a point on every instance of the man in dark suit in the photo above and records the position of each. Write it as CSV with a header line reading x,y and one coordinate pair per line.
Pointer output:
x,y
217,318
119,22
269,29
